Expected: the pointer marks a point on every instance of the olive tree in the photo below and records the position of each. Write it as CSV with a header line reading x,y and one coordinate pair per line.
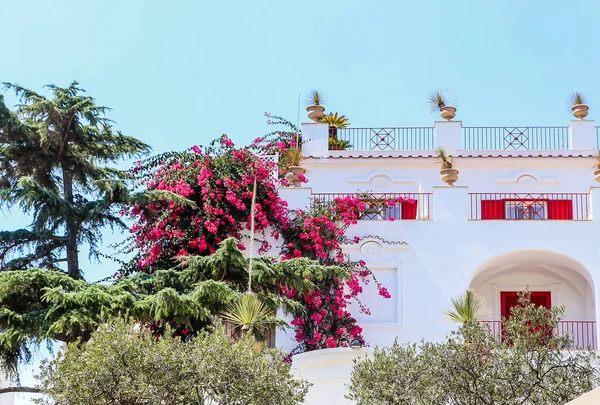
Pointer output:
x,y
126,364
528,364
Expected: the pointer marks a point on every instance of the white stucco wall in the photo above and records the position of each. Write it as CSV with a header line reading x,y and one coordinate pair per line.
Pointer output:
x,y
6,399
424,263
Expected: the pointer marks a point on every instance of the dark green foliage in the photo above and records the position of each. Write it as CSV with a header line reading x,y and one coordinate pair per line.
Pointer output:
x,y
124,365
41,305
54,157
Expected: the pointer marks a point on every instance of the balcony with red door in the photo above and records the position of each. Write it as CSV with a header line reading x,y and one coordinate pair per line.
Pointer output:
x,y
553,280
530,206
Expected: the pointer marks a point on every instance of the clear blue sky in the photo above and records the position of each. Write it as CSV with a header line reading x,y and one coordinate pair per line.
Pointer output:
x,y
182,73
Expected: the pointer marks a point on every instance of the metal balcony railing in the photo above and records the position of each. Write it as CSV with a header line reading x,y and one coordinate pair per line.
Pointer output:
x,y
386,206
582,333
379,139
533,206
515,138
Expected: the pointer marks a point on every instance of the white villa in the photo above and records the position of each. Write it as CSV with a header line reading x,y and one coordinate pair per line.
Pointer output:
x,y
524,213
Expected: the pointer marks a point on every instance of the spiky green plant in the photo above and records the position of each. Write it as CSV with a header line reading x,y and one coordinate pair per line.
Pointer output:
x,y
335,120
444,158
576,98
315,97
292,157
249,315
438,99
467,307
339,144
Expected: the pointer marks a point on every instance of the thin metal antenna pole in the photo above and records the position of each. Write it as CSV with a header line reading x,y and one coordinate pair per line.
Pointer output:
x,y
252,217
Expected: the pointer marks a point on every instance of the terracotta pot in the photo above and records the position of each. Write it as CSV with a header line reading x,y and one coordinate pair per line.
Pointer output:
x,y
297,169
315,112
293,179
448,112
449,176
597,175
292,175
335,147
580,111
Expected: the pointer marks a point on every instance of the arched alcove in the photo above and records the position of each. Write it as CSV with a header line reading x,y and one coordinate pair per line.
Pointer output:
x,y
553,278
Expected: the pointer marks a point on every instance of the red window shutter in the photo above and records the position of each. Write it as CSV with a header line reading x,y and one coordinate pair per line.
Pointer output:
x,y
493,209
409,210
560,209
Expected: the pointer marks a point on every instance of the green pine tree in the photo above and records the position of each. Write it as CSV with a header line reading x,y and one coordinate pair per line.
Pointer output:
x,y
55,157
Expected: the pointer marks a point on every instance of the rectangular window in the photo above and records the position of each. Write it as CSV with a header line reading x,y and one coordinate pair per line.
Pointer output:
x,y
533,210
527,209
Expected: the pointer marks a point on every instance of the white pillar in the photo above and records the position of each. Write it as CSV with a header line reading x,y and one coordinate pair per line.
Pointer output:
x,y
329,370
451,203
298,198
595,204
447,135
315,139
582,135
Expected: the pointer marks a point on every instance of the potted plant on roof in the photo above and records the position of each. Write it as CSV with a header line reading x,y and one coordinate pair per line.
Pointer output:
x,y
597,167
439,101
335,121
578,105
338,144
291,161
449,174
315,109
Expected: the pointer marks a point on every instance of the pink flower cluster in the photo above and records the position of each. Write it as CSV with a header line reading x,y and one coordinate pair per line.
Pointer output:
x,y
327,322
220,186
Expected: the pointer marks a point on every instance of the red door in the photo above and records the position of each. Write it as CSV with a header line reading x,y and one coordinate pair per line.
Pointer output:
x,y
509,299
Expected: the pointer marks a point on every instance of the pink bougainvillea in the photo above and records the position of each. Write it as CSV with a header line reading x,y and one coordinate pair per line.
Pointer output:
x,y
218,182
219,186
319,234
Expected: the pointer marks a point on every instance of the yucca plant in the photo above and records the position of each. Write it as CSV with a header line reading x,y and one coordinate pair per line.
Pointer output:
x,y
335,120
250,315
576,98
292,157
444,158
438,99
468,307
314,98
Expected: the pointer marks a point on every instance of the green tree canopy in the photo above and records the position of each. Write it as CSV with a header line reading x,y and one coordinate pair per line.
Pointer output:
x,y
41,305
54,164
121,366
528,365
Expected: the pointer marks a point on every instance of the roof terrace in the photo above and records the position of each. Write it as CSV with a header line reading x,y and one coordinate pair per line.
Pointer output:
x,y
580,135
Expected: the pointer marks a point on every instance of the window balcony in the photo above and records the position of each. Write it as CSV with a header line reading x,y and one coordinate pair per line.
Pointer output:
x,y
530,207
581,333
484,206
385,206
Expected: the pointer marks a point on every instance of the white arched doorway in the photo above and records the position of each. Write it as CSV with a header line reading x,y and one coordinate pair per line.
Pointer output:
x,y
554,280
